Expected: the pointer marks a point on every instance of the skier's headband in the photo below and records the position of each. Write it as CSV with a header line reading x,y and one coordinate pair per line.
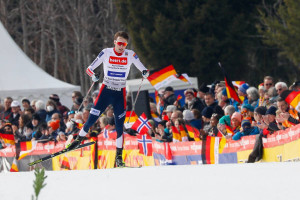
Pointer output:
x,y
121,43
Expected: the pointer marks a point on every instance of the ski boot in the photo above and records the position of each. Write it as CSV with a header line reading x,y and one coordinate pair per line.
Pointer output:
x,y
119,161
75,143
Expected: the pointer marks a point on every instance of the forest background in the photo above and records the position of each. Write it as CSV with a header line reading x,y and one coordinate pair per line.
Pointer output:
x,y
251,38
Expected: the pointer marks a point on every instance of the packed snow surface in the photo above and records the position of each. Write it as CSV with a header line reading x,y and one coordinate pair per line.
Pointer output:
x,y
227,181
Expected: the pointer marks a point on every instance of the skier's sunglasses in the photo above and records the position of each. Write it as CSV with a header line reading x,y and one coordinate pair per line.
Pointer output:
x,y
121,43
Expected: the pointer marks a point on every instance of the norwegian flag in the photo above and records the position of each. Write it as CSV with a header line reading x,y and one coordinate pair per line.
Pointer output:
x,y
141,125
105,132
145,144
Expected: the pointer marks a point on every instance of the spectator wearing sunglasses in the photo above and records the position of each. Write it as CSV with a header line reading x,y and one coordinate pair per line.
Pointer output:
x,y
280,87
268,82
116,62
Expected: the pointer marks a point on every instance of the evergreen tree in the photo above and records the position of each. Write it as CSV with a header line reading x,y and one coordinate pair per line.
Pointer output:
x,y
280,27
193,35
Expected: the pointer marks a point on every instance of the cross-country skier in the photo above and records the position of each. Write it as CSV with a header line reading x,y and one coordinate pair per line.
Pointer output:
x,y
116,65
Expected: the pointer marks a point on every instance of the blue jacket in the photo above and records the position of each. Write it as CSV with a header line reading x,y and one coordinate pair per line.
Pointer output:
x,y
239,134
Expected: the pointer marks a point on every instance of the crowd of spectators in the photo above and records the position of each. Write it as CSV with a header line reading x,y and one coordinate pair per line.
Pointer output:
x,y
208,109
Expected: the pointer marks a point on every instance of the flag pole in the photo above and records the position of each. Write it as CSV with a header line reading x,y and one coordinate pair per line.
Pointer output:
x,y
137,95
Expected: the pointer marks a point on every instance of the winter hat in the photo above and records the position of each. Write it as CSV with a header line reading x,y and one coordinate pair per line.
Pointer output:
x,y
78,100
224,92
207,112
54,97
170,89
246,124
188,115
271,111
225,120
36,117
248,107
170,108
237,115
29,125
54,124
261,110
243,88
163,123
15,104
203,88
95,93
25,100
189,91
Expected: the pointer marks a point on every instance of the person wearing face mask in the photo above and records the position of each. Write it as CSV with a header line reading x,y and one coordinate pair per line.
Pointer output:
x,y
51,108
28,130
36,123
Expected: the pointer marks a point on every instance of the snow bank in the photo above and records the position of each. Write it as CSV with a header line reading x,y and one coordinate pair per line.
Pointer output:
x,y
230,181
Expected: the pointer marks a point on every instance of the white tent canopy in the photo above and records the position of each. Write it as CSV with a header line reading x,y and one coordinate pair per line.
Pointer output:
x,y
21,77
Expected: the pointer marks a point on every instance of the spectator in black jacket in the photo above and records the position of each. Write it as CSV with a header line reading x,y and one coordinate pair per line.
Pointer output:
x,y
40,110
169,97
210,102
192,102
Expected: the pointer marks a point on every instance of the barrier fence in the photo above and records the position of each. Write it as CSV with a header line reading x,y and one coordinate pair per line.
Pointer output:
x,y
282,146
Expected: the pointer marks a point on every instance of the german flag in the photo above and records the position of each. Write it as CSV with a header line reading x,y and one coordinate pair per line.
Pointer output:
x,y
229,130
162,77
8,138
237,84
179,97
182,78
14,166
129,122
292,98
231,91
176,134
222,143
156,97
65,164
26,148
193,132
155,117
183,134
208,150
220,134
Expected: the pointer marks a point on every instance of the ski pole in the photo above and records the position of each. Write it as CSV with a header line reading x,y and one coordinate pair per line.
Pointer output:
x,y
137,95
86,96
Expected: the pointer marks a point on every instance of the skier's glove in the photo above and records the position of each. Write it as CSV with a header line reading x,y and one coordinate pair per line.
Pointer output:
x,y
95,77
145,73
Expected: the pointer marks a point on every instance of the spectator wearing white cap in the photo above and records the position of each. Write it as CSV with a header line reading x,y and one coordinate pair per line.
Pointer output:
x,y
189,118
16,111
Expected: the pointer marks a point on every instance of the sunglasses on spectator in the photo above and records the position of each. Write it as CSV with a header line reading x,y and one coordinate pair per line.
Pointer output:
x,y
279,89
268,84
121,43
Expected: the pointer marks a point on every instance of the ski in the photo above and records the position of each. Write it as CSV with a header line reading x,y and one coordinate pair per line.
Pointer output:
x,y
129,167
59,153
